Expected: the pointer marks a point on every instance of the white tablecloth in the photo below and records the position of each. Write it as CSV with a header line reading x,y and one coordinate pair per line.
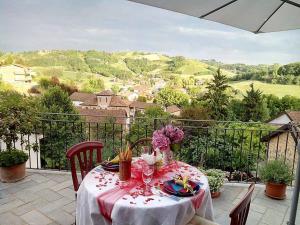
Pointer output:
x,y
159,210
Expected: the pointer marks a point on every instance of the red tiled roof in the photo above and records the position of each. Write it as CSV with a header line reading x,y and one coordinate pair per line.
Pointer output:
x,y
172,109
105,93
90,102
102,115
294,116
141,105
81,96
117,101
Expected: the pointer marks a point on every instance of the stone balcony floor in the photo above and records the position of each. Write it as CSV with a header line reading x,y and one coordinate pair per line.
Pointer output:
x,y
45,197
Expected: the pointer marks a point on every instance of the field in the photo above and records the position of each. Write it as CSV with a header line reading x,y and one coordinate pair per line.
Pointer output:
x,y
275,89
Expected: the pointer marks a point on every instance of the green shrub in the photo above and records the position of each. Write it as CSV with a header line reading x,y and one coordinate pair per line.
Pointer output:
x,y
276,172
215,179
12,158
215,173
215,183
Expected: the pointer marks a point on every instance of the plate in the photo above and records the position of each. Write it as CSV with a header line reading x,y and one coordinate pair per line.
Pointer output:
x,y
110,167
175,189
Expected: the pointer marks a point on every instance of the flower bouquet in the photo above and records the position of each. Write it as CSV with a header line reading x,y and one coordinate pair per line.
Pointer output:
x,y
166,139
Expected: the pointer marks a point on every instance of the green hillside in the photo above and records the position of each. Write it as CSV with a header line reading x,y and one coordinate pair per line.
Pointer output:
x,y
279,90
80,68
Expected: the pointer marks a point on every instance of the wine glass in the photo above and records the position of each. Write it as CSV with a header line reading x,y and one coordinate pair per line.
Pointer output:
x,y
147,175
145,150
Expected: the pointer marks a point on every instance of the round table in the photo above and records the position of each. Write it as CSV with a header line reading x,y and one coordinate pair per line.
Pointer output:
x,y
158,209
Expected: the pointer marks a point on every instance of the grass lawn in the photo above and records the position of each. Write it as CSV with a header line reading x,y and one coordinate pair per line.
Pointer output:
x,y
275,89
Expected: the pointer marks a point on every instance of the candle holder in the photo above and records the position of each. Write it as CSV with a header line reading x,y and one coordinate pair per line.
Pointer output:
x,y
125,170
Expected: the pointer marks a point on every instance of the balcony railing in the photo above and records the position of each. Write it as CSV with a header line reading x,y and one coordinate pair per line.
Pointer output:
x,y
235,147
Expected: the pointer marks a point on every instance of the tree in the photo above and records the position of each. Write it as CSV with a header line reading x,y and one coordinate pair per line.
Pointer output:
x,y
60,123
145,123
9,60
18,116
255,106
93,85
45,84
236,110
142,98
169,96
290,102
115,89
216,97
195,113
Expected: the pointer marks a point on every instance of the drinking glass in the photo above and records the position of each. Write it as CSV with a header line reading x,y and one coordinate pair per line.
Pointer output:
x,y
145,150
147,175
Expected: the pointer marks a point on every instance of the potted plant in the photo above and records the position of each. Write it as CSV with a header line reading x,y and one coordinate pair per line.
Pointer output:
x,y
215,180
276,175
12,165
17,118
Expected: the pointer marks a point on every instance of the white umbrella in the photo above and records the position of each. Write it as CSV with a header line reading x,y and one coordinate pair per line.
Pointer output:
x,y
257,16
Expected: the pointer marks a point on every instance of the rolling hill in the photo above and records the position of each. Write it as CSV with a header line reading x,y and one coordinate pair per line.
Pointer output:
x,y
79,67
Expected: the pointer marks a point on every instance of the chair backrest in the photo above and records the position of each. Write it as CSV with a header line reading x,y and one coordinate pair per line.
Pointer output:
x,y
136,146
85,153
240,212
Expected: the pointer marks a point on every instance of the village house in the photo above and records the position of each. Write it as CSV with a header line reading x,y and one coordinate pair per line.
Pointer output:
x,y
16,73
106,104
282,142
173,110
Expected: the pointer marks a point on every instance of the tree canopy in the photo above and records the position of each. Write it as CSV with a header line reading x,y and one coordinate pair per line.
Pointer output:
x,y
216,97
169,96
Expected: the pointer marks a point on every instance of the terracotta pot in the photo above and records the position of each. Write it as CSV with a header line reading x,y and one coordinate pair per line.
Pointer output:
x,y
276,191
13,173
215,194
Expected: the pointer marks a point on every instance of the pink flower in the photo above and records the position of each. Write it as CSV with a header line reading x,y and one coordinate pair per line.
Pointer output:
x,y
167,135
175,134
159,140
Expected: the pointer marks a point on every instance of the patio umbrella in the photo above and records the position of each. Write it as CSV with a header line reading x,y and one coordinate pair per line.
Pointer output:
x,y
257,16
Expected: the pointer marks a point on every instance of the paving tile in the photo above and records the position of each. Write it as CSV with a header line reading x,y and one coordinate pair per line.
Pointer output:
x,y
258,208
52,206
21,186
62,217
254,218
49,195
58,178
42,186
10,205
36,204
27,196
61,185
70,208
67,192
6,198
23,209
34,217
273,217
38,178
10,219
49,199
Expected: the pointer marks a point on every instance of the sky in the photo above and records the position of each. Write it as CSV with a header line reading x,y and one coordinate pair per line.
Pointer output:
x,y
120,25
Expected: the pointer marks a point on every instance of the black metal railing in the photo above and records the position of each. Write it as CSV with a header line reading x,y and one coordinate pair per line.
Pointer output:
x,y
235,147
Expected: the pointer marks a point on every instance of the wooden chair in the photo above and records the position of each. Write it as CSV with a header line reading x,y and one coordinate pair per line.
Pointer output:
x,y
85,153
136,146
238,214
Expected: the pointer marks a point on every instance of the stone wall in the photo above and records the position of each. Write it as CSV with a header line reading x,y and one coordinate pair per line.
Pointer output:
x,y
283,146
